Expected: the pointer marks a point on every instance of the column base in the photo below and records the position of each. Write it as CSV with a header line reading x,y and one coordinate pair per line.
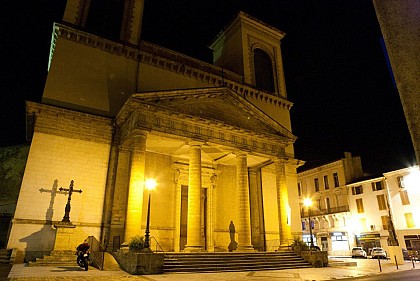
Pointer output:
x,y
194,249
246,248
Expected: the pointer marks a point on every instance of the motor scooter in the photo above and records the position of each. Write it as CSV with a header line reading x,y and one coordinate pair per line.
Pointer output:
x,y
83,259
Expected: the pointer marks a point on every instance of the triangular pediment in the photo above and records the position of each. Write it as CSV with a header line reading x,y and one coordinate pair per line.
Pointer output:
x,y
217,105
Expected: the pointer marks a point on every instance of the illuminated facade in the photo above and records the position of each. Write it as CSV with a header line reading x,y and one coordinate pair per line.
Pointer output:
x,y
115,112
330,214
369,212
404,194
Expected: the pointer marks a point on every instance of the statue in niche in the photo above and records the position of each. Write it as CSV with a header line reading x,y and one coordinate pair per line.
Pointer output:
x,y
233,244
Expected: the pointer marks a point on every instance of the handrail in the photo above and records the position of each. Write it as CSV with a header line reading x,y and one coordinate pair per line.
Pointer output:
x,y
97,252
157,244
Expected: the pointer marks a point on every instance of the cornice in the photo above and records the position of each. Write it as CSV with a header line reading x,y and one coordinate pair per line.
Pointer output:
x,y
169,60
321,169
69,123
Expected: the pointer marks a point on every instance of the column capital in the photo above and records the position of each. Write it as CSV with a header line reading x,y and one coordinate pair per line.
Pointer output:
x,y
138,133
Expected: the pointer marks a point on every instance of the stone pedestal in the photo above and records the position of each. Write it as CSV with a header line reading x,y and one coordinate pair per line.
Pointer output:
x,y
63,237
395,253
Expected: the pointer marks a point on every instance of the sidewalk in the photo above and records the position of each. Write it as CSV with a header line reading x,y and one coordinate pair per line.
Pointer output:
x,y
343,268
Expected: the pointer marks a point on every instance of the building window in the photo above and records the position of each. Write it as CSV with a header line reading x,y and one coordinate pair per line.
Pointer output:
x,y
377,186
299,189
381,202
336,181
359,204
326,184
404,197
409,220
105,18
385,222
327,203
400,180
263,71
319,204
316,182
357,189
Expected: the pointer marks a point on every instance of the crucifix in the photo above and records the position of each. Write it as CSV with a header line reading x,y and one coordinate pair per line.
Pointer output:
x,y
70,190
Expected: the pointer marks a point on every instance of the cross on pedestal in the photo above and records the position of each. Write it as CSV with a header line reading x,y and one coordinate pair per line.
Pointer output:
x,y
70,190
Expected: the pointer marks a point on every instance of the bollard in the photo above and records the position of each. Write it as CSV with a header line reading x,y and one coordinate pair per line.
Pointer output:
x,y
379,261
396,263
412,261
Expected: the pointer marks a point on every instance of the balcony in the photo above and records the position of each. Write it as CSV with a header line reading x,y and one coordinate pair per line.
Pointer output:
x,y
317,212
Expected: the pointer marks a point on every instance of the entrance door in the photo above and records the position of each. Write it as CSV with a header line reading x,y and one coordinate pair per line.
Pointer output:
x,y
324,243
184,217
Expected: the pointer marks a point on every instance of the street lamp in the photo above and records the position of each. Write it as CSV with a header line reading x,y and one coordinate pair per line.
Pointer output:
x,y
150,185
308,203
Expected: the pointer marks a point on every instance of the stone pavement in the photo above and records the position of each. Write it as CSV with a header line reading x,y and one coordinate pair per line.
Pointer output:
x,y
343,268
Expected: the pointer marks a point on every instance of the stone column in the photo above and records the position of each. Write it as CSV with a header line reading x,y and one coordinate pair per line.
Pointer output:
x,y
244,224
282,203
255,210
136,186
109,194
177,230
194,199
210,219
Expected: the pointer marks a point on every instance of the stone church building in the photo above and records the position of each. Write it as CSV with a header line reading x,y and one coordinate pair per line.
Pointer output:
x,y
117,111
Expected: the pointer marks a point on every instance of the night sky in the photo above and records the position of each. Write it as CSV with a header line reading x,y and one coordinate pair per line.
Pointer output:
x,y
336,71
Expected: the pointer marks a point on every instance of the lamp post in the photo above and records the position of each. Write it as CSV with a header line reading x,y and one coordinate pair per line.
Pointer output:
x,y
308,203
150,185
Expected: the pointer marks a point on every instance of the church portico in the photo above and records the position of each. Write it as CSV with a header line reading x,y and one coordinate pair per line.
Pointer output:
x,y
196,142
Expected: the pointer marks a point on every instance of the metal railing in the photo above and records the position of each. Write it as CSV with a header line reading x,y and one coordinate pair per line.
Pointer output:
x,y
157,245
320,212
97,253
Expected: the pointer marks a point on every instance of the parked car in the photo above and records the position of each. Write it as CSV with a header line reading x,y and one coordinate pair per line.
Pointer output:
x,y
358,252
378,252
405,254
409,254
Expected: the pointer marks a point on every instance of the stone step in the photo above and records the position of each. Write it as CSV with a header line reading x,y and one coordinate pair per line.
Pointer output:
x,y
5,255
212,262
56,258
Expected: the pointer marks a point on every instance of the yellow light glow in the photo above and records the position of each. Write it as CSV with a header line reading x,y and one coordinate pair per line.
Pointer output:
x,y
307,202
413,178
150,184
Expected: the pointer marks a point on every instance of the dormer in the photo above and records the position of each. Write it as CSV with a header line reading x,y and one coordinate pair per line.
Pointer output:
x,y
251,48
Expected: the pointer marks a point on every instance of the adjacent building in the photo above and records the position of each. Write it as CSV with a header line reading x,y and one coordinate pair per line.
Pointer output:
x,y
326,186
351,208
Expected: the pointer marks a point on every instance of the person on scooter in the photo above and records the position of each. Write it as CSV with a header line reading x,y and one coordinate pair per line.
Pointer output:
x,y
82,259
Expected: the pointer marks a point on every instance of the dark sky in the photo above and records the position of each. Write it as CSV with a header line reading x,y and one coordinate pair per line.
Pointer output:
x,y
336,72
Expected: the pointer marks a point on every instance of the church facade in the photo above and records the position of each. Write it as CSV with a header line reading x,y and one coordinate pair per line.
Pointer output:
x,y
116,112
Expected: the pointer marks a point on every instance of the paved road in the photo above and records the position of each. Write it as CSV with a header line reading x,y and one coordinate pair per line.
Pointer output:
x,y
21,272
412,275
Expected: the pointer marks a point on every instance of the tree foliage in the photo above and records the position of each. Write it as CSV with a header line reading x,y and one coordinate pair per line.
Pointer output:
x,y
12,166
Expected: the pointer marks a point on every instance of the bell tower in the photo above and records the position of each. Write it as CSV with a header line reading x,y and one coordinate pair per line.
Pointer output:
x,y
251,48
118,20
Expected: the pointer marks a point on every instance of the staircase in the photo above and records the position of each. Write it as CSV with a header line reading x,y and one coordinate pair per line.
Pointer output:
x,y
228,261
5,256
56,258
